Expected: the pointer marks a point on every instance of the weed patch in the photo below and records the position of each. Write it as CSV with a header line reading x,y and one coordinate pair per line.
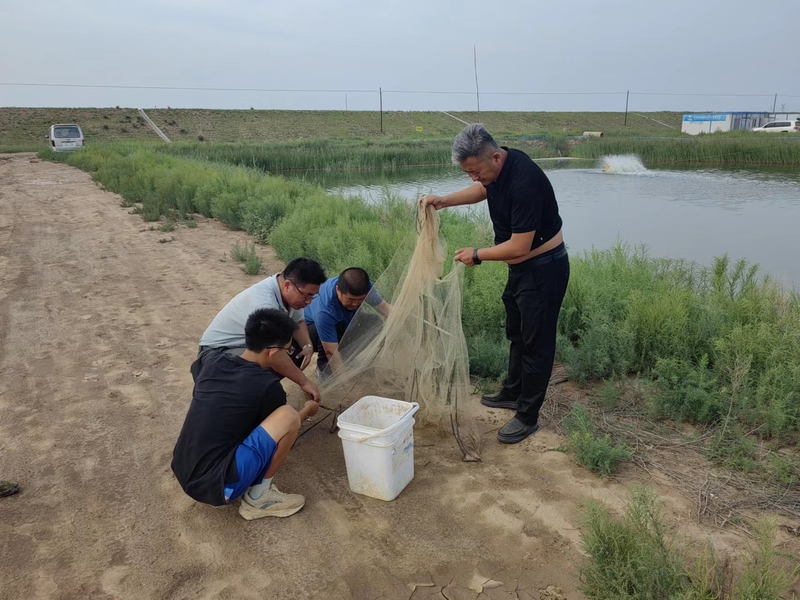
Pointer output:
x,y
241,252
597,453
252,265
630,557
635,557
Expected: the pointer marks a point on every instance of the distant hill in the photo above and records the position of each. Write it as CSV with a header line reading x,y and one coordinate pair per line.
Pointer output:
x,y
28,127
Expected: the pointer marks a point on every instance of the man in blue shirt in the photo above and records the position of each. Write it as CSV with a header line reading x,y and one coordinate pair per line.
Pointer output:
x,y
333,309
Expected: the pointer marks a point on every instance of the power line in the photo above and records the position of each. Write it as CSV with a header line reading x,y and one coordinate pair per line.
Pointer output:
x,y
505,93
372,91
166,87
714,95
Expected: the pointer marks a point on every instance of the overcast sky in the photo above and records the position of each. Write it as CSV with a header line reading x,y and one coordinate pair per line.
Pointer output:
x,y
582,46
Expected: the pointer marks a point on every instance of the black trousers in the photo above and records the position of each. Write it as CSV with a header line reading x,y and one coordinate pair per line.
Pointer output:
x,y
532,299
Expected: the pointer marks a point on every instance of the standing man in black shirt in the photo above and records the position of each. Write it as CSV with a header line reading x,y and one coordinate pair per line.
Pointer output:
x,y
239,429
528,237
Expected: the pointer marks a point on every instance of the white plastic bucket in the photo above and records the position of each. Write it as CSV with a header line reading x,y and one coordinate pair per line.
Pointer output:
x,y
378,441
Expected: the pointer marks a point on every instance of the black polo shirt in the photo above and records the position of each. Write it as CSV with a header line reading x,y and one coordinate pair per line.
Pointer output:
x,y
232,396
522,200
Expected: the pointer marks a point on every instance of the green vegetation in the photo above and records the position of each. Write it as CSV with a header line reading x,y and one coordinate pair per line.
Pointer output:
x,y
739,149
27,127
247,255
253,264
763,577
720,343
274,140
597,453
167,225
320,155
634,557
240,253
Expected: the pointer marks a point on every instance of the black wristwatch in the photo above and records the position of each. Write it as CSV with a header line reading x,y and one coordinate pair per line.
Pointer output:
x,y
475,258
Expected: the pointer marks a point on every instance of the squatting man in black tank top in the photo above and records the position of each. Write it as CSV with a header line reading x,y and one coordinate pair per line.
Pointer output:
x,y
239,429
527,237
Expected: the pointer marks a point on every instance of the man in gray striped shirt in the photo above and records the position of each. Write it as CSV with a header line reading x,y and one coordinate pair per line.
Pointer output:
x,y
290,291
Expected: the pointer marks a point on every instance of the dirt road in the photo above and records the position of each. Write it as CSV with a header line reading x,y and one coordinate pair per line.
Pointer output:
x,y
99,322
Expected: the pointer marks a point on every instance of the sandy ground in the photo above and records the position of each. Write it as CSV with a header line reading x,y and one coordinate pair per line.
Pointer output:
x,y
99,322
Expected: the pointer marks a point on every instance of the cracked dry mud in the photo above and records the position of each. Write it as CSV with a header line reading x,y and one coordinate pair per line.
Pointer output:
x,y
99,323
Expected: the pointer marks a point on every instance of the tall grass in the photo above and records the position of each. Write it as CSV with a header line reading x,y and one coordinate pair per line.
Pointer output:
x,y
721,343
636,557
712,150
596,452
320,155
329,155
633,557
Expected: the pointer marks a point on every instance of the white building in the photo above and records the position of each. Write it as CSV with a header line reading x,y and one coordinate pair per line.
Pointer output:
x,y
697,123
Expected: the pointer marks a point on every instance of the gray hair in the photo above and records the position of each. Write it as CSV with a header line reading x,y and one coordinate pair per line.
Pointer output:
x,y
473,140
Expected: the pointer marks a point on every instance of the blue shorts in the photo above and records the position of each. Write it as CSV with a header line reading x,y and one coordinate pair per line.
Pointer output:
x,y
253,457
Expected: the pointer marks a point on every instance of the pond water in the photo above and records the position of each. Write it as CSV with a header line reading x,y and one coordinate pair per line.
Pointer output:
x,y
693,214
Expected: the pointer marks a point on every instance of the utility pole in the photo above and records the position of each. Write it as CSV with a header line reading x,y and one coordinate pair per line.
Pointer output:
x,y
774,102
380,94
627,97
475,64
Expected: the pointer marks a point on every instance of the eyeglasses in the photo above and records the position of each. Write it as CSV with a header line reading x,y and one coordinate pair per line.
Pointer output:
x,y
290,350
305,295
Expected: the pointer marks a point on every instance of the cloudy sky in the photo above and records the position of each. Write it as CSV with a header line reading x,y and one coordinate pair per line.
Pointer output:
x,y
560,55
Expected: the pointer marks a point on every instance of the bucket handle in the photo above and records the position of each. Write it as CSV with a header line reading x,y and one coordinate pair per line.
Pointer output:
x,y
414,408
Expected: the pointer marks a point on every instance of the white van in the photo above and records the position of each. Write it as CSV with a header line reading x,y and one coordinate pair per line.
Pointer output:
x,y
65,138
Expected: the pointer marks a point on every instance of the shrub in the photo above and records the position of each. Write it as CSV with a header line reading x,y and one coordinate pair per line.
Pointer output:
x,y
241,253
252,266
488,355
597,453
763,577
688,392
630,557
634,557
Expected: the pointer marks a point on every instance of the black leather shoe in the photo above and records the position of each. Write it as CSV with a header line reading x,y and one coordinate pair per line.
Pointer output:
x,y
515,431
501,399
8,487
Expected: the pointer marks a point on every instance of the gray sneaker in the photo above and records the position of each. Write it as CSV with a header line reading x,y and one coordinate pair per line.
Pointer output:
x,y
273,503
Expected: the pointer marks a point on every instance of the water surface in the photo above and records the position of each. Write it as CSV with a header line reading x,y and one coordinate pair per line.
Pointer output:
x,y
693,214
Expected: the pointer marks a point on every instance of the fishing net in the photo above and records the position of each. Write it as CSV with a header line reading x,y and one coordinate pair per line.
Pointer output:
x,y
418,353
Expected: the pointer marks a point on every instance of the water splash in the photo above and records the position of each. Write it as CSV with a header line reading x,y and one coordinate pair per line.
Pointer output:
x,y
623,164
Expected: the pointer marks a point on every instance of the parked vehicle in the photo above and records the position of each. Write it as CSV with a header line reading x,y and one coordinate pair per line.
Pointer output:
x,y
65,138
780,126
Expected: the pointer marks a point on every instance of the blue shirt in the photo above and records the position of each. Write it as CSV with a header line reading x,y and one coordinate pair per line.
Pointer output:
x,y
325,310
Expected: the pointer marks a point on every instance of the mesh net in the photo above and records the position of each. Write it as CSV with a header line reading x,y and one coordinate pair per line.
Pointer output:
x,y
418,353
